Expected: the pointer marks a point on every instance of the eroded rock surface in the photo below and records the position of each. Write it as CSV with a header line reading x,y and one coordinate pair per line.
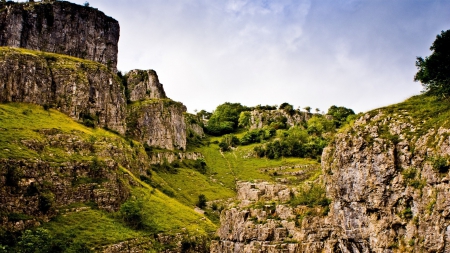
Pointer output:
x,y
60,27
80,89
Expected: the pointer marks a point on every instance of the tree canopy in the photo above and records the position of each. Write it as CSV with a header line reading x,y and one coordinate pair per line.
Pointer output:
x,y
434,71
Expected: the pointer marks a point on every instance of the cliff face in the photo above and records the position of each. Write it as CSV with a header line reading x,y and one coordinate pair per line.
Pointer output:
x,y
158,123
144,84
388,177
260,118
84,90
60,27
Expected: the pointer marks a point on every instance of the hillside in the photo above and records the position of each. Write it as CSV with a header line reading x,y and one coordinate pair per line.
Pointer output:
x,y
96,160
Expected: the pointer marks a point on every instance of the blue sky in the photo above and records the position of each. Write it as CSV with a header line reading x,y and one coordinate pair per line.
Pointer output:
x,y
354,53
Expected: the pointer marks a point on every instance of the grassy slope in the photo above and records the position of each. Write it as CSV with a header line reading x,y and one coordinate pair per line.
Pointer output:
x,y
21,122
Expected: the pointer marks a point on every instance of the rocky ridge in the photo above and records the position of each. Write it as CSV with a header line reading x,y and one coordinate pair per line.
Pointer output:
x,y
60,27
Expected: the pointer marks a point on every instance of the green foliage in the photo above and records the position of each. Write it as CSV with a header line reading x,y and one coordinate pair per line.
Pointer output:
x,y
244,119
258,135
313,195
434,70
294,142
201,203
46,201
288,108
440,164
131,214
407,213
225,118
37,241
228,141
340,114
89,120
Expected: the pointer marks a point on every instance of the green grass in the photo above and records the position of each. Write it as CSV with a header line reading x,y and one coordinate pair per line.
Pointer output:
x,y
188,184
27,124
93,227
239,164
168,215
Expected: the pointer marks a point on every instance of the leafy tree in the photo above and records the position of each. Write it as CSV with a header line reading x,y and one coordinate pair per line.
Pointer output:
x,y
340,114
308,109
244,119
225,118
434,71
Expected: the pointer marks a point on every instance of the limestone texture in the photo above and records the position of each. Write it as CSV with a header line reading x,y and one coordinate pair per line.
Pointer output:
x,y
60,27
387,176
158,122
144,84
84,90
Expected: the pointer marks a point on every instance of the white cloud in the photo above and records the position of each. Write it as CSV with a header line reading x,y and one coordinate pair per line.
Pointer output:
x,y
354,53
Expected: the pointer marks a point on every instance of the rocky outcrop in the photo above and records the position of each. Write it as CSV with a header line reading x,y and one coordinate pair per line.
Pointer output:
x,y
261,118
170,157
158,122
37,189
388,178
388,189
144,84
60,27
84,90
263,221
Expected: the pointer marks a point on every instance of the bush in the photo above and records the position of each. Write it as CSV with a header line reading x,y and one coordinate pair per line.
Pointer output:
x,y
228,141
131,214
311,196
201,203
440,164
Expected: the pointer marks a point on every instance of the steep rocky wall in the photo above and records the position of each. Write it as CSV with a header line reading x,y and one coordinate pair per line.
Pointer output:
x,y
388,197
158,122
60,27
144,84
263,221
37,189
260,118
79,88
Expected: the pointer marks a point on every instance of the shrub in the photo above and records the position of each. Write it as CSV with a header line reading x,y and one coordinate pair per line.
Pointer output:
x,y
131,214
201,203
46,201
440,164
311,196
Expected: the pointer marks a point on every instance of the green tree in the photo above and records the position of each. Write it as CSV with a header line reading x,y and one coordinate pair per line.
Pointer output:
x,y
434,71
244,119
339,114
225,118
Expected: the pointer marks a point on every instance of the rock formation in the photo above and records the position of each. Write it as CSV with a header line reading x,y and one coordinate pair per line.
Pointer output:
x,y
388,178
389,191
158,122
260,118
144,84
84,90
60,27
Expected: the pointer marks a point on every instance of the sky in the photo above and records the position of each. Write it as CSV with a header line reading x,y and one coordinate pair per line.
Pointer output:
x,y
355,53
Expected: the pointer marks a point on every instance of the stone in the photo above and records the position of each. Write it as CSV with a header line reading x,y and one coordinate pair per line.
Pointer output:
x,y
60,27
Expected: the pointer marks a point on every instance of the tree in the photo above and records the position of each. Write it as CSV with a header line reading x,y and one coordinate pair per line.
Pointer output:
x,y
340,114
434,71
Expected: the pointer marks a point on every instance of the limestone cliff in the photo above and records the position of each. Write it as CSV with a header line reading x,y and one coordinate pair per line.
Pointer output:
x,y
387,175
260,118
84,90
60,27
158,122
144,84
